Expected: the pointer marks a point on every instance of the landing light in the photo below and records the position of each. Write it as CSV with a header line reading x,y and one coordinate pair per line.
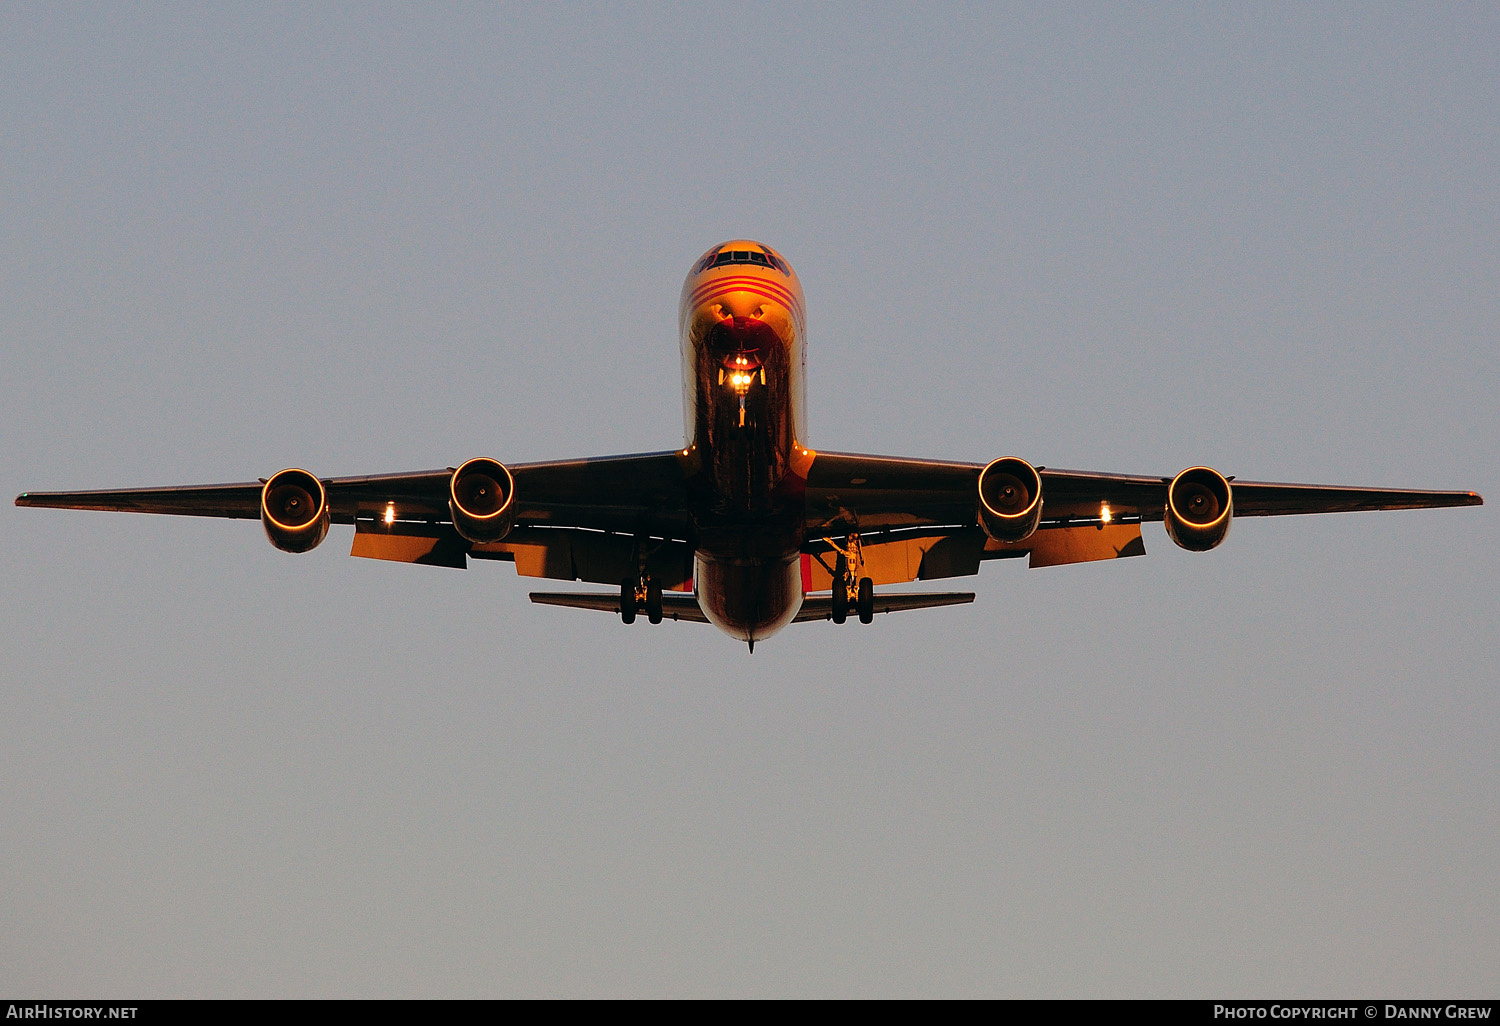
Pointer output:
x,y
741,374
390,514
1104,513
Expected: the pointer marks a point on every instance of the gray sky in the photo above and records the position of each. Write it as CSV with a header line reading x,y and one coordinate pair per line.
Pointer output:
x,y
365,239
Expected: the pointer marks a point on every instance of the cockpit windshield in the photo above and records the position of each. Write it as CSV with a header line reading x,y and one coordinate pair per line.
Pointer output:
x,y
741,256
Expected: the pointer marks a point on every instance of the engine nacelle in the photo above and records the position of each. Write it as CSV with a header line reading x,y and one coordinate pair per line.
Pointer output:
x,y
1200,505
481,498
1010,499
294,511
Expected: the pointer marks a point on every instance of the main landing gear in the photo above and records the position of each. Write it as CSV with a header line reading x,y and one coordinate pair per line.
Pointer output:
x,y
850,589
640,595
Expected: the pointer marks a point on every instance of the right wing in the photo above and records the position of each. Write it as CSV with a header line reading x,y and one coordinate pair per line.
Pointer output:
x,y
918,519
885,492
575,519
623,493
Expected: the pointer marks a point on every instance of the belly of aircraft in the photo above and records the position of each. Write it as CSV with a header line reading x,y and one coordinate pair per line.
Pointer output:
x,y
748,599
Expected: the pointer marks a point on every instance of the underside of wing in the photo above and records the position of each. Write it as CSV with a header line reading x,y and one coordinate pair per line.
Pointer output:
x,y
638,494
1268,499
876,492
419,496
1080,495
921,519
644,494
234,501
845,490
595,520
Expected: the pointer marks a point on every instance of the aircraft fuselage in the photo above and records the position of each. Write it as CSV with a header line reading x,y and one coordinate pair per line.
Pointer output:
x,y
745,406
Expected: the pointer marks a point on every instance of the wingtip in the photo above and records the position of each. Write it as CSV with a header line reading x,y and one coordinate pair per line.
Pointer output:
x,y
1475,499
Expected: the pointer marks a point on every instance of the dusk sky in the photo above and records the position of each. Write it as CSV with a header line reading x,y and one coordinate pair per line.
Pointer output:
x,y
373,238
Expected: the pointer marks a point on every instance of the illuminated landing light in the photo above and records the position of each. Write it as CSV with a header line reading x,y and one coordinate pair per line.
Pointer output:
x,y
390,514
1104,513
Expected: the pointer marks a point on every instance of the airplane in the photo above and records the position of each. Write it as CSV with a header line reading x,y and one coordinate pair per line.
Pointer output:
x,y
745,527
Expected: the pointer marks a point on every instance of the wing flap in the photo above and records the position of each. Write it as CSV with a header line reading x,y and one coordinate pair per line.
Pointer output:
x,y
1060,546
427,544
568,554
928,555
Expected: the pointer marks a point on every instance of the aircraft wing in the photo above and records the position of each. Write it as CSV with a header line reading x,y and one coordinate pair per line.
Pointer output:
x,y
1078,494
234,501
918,518
643,493
892,492
579,519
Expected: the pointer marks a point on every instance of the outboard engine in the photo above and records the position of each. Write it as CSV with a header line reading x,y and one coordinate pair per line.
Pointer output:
x,y
294,511
481,498
1010,499
1200,505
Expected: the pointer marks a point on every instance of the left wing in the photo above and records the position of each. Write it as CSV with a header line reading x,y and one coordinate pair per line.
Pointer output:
x,y
609,493
919,519
1079,495
886,492
575,519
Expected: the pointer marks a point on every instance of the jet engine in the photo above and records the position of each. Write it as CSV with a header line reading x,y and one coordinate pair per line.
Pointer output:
x,y
481,498
1010,499
1199,508
294,511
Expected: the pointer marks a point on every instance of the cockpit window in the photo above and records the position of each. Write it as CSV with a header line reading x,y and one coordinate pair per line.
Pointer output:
x,y
741,256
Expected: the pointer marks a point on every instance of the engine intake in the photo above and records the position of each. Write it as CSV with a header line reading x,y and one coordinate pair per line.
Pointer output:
x,y
1010,499
294,511
1200,505
481,498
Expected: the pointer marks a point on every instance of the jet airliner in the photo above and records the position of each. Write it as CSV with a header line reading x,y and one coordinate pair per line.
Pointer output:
x,y
746,527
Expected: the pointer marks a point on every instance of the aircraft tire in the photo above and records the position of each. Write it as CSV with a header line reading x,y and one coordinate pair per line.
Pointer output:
x,y
653,601
866,600
840,603
627,601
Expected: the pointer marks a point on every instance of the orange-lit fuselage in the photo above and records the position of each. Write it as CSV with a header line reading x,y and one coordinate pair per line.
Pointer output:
x,y
743,355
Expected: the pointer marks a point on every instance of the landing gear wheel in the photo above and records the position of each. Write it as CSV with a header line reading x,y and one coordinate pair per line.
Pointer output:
x,y
653,601
866,601
627,601
841,588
